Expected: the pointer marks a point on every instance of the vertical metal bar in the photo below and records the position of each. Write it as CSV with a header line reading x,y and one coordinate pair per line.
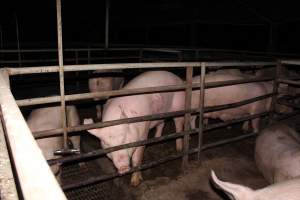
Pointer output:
x,y
107,23
141,54
187,116
179,56
77,73
89,56
197,55
201,105
275,90
18,40
1,37
61,73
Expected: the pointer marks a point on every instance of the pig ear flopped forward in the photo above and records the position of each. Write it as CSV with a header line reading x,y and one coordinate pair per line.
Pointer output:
x,y
90,121
234,191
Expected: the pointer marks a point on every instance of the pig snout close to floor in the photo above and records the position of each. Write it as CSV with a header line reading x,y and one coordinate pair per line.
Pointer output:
x,y
137,106
277,153
50,118
286,190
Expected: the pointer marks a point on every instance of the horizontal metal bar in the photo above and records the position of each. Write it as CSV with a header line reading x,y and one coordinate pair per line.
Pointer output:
x,y
152,164
113,93
101,152
68,68
67,59
291,62
290,82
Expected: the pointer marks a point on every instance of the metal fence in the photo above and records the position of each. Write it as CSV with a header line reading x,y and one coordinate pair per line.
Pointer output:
x,y
24,148
36,57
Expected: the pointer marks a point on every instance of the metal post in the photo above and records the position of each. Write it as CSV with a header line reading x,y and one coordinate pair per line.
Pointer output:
x,y
61,73
77,73
187,116
201,113
18,40
275,90
107,23
1,37
89,55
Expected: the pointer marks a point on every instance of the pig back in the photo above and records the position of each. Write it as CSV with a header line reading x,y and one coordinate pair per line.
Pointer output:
x,y
277,153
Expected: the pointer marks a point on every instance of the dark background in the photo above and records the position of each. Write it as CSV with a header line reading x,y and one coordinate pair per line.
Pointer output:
x,y
230,24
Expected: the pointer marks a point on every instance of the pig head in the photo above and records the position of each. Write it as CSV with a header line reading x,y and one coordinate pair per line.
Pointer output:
x,y
114,136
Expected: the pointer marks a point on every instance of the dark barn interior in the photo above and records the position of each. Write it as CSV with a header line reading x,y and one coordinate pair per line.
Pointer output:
x,y
234,61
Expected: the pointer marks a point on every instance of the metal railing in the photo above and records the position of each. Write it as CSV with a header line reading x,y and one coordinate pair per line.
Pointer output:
x,y
187,86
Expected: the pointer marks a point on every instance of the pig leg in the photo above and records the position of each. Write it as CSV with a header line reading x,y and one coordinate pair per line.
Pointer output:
x,y
137,158
193,122
205,121
159,129
255,125
179,127
99,111
245,126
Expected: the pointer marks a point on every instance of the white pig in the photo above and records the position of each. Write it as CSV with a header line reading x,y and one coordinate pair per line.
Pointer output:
x,y
231,94
50,118
287,190
104,84
277,153
135,106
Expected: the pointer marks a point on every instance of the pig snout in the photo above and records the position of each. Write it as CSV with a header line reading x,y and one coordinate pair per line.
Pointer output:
x,y
123,169
121,162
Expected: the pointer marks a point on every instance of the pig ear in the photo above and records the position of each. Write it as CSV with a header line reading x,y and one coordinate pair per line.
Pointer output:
x,y
91,131
234,191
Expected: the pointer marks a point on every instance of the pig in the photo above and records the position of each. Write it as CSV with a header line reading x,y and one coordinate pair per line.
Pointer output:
x,y
231,94
277,153
228,71
104,84
50,118
286,190
135,106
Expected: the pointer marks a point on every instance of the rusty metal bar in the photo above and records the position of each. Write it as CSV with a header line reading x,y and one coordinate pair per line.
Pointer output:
x,y
152,164
101,152
68,68
187,116
201,106
107,94
61,74
57,132
26,155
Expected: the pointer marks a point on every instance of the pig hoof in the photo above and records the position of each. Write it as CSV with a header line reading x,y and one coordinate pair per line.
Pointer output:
x,y
136,179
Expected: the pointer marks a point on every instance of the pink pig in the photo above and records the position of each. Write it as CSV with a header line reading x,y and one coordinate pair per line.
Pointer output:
x,y
48,118
277,153
135,106
231,94
286,190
